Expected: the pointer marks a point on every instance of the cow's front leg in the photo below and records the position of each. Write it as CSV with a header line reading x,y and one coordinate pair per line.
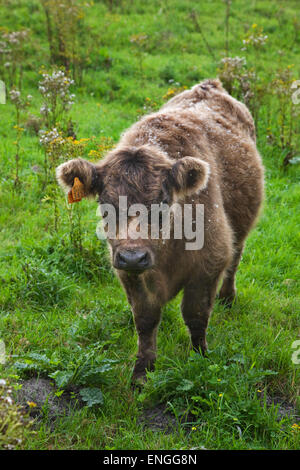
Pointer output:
x,y
146,322
197,303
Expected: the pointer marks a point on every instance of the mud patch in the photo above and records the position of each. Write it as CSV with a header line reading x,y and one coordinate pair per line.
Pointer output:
x,y
285,409
37,396
158,419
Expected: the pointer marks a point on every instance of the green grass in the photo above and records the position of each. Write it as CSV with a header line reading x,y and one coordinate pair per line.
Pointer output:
x,y
68,307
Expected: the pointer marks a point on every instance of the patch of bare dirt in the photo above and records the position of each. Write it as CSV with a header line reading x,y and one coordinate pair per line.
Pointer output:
x,y
37,396
158,419
285,408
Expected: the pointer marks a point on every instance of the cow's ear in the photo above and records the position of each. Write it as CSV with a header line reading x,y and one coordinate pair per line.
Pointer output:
x,y
189,175
88,174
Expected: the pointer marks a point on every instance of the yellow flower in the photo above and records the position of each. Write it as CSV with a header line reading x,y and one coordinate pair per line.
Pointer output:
x,y
220,394
31,404
93,153
254,26
169,93
194,428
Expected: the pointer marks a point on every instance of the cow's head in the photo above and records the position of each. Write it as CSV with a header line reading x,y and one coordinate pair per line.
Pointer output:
x,y
145,176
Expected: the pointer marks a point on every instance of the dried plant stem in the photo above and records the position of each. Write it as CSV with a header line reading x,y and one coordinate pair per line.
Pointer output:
x,y
227,17
198,28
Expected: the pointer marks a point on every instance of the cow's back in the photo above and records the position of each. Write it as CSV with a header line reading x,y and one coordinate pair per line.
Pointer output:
x,y
206,122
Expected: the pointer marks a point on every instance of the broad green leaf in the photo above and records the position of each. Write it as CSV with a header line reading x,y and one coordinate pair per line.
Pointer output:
x,y
91,396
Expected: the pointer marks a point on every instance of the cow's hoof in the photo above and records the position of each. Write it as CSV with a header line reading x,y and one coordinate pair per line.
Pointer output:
x,y
200,349
138,381
226,298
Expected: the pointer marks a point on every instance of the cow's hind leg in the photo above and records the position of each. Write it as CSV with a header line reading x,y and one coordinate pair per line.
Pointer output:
x,y
197,303
228,290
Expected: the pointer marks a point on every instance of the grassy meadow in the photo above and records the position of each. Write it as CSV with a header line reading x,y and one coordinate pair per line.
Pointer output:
x,y
64,317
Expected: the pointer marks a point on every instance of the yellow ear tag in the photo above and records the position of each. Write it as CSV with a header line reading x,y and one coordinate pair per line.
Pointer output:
x,y
77,192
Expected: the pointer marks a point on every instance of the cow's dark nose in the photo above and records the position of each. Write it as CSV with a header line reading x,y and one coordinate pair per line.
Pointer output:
x,y
137,260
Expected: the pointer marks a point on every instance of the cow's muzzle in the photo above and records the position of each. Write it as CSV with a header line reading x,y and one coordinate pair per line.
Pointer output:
x,y
133,260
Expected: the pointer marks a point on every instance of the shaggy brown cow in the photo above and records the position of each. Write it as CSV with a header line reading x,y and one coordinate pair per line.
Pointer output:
x,y
199,148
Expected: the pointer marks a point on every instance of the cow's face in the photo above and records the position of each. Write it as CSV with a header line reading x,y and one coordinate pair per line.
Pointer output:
x,y
131,184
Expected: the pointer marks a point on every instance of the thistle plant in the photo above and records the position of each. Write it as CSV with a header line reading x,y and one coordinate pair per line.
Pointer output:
x,y
68,40
12,56
57,102
255,38
242,82
4,63
52,142
57,99
230,71
58,149
287,117
20,105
